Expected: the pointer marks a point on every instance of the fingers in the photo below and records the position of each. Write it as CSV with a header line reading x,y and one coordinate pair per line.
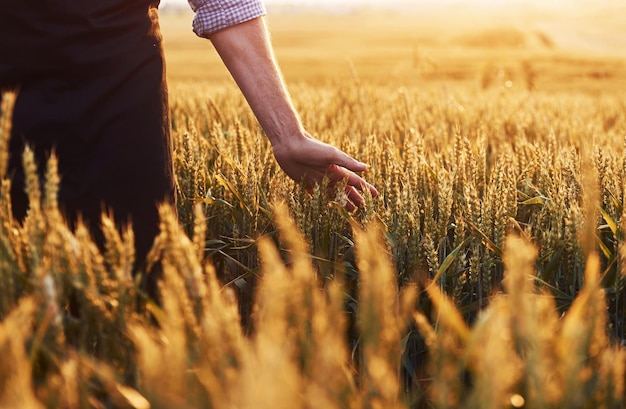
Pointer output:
x,y
336,173
353,197
346,161
361,184
345,166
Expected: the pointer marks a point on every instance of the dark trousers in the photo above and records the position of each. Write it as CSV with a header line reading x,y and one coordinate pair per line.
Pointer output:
x,y
91,88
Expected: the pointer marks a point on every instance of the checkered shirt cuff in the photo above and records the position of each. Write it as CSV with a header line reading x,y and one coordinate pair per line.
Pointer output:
x,y
214,15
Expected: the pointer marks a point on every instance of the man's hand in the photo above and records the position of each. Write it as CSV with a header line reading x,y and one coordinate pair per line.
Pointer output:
x,y
308,159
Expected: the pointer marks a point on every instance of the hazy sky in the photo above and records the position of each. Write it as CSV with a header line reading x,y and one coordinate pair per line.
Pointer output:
x,y
550,4
382,2
307,2
564,3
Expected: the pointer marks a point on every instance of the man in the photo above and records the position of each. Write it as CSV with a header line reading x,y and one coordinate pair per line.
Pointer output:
x,y
91,83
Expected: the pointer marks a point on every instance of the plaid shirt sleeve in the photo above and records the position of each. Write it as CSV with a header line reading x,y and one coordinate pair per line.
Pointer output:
x,y
214,15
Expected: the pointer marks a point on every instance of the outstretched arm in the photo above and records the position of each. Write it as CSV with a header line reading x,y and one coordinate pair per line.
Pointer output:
x,y
247,53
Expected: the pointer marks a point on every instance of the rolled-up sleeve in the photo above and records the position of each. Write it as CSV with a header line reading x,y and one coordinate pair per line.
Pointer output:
x,y
214,15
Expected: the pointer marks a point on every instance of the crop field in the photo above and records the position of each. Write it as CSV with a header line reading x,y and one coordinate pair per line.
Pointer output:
x,y
488,273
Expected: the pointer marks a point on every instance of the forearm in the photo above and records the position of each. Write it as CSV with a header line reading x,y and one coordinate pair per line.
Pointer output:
x,y
246,51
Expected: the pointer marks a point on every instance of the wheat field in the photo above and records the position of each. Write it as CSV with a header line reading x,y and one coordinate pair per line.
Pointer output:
x,y
487,274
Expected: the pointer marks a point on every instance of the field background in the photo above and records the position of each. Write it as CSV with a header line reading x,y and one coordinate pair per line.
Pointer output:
x,y
518,108
489,272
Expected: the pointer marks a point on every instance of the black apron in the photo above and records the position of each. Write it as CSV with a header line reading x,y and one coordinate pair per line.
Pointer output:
x,y
91,88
